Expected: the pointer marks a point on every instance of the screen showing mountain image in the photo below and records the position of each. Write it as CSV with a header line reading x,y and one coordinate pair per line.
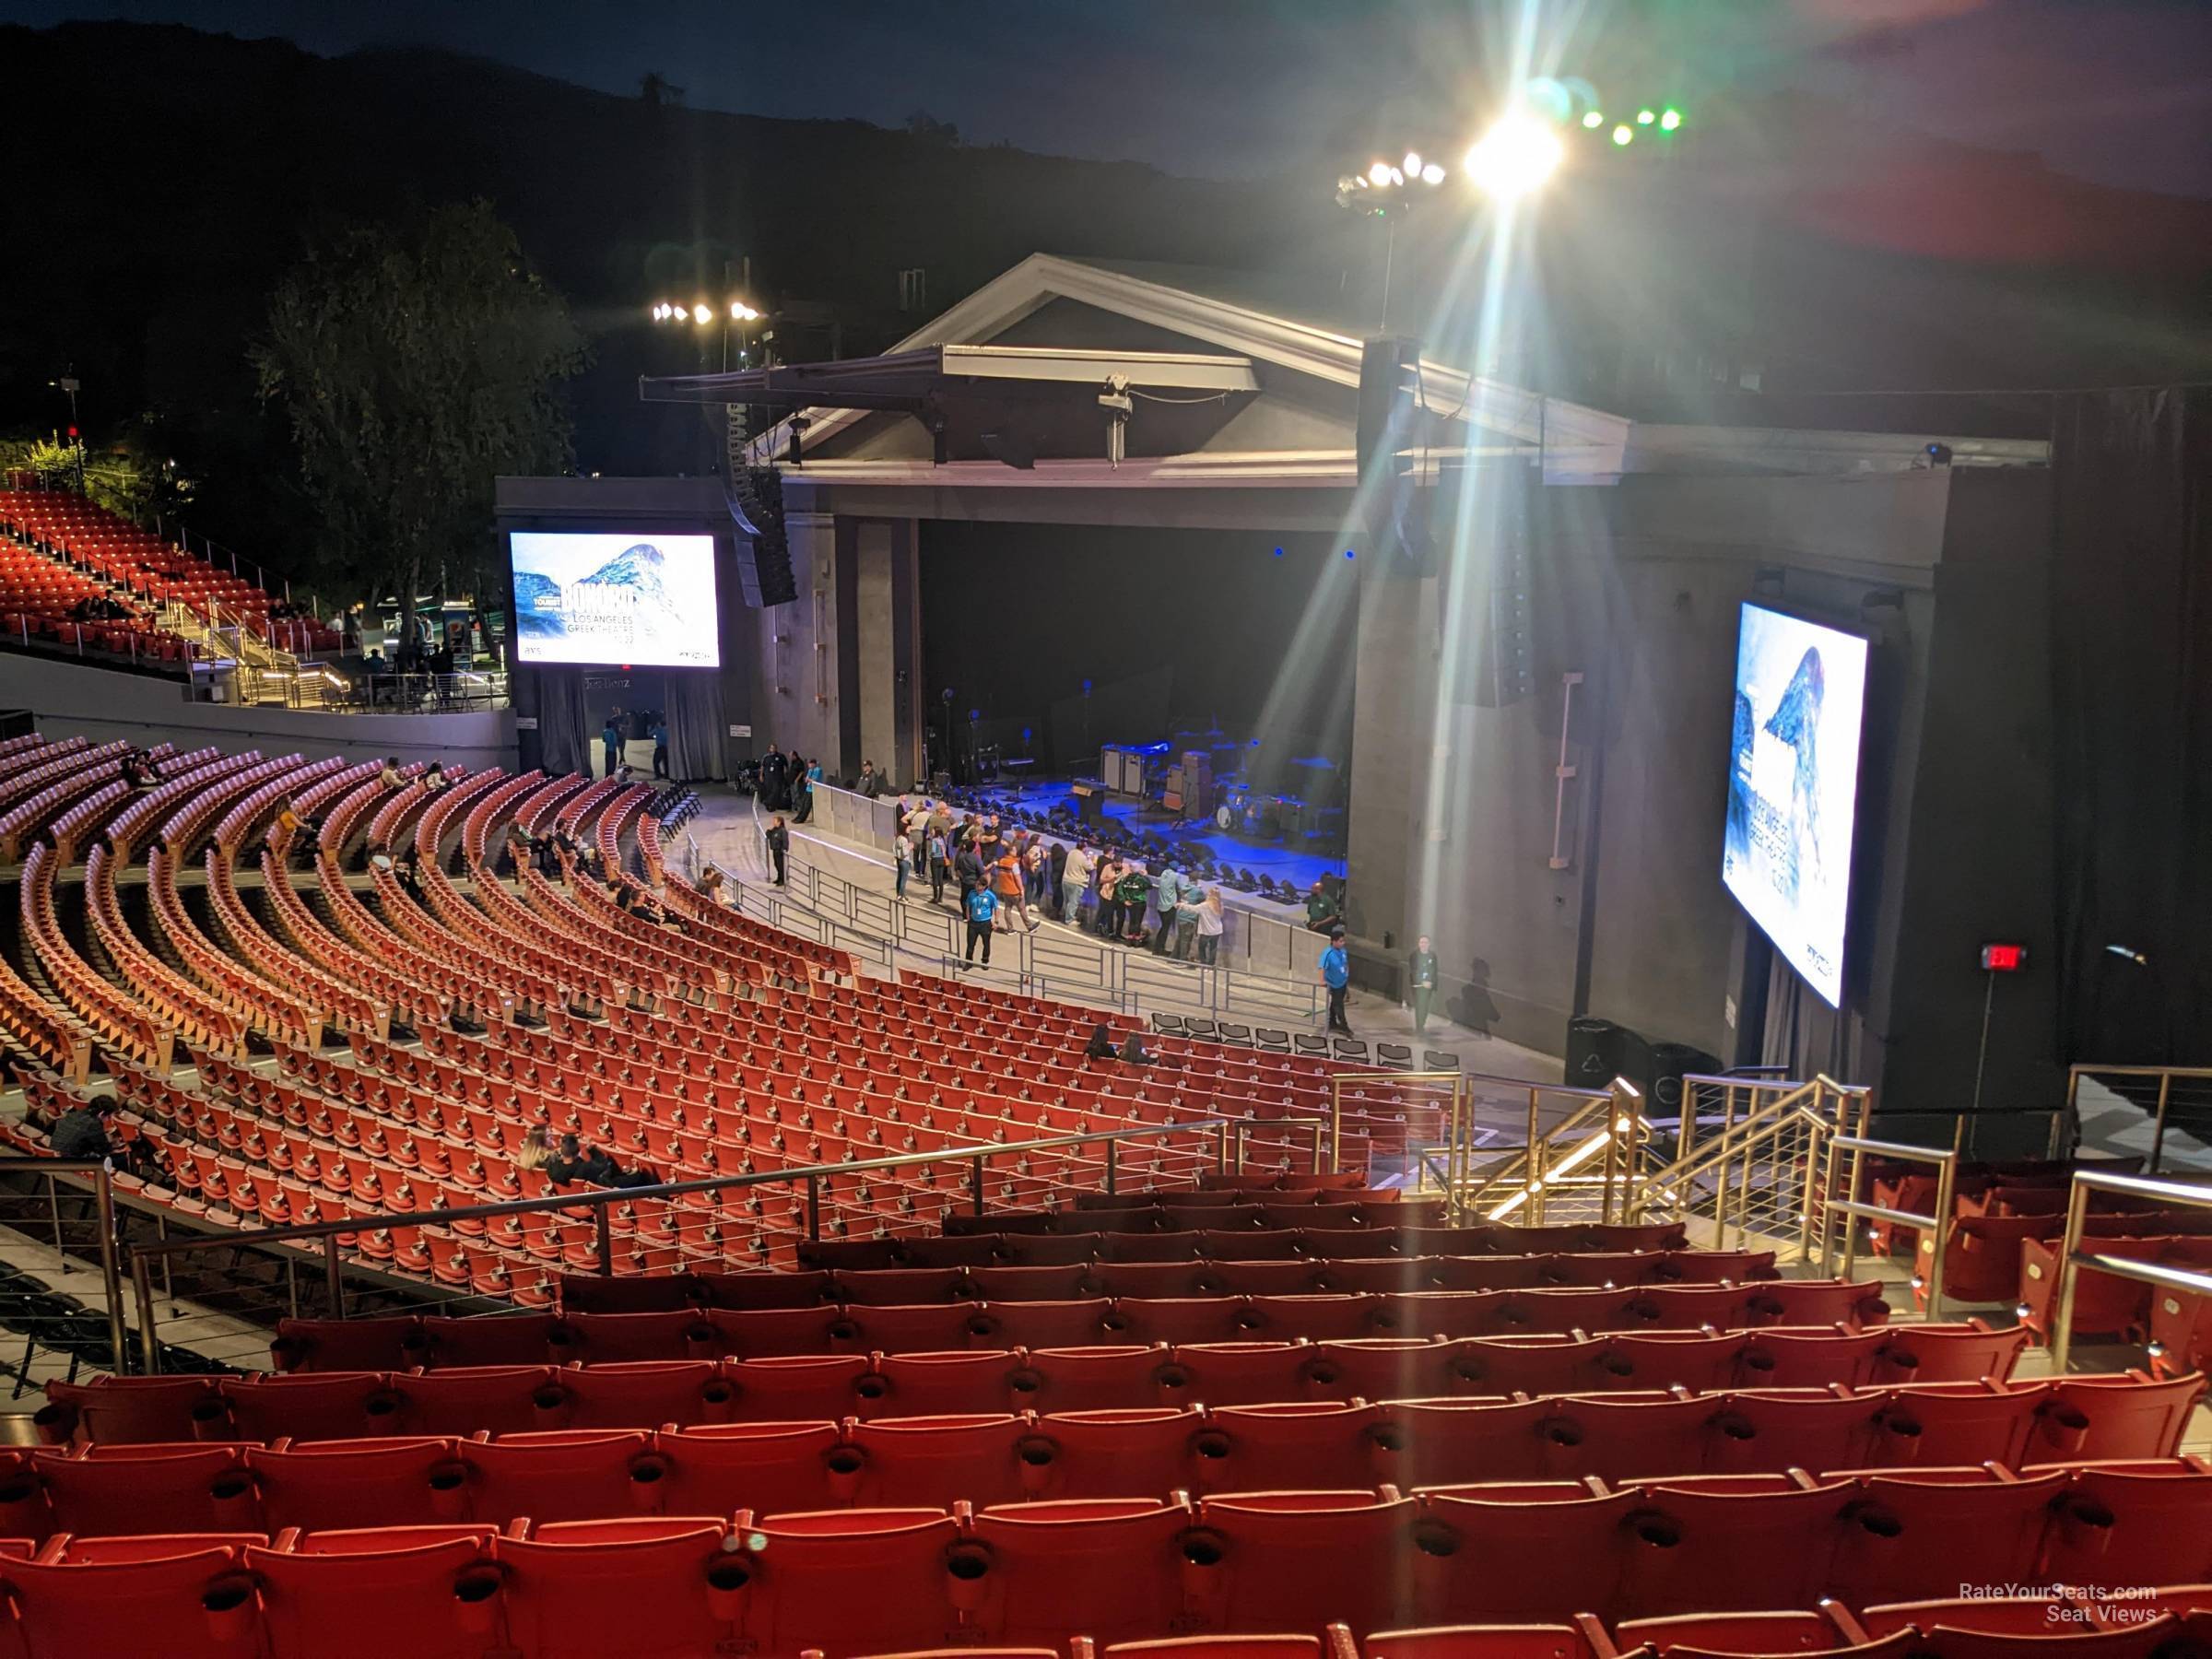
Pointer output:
x,y
1794,784
642,600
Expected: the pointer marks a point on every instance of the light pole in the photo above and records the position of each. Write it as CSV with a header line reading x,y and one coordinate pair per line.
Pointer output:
x,y
1387,191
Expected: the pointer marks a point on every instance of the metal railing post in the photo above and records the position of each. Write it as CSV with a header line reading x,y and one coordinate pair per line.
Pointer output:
x,y
333,1278
977,1179
1337,1123
814,1208
1946,1183
149,1345
2158,1127
1111,1142
606,1241
2069,1277
110,1277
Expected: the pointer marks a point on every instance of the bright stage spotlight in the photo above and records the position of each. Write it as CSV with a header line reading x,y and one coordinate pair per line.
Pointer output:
x,y
702,314
1514,158
1645,117
1383,174
1624,134
1594,119
1669,120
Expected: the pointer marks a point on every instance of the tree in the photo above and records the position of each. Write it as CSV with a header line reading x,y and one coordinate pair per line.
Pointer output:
x,y
922,124
414,366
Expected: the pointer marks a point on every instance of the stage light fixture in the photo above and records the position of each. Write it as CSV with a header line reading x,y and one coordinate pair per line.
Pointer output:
x,y
1411,166
1624,134
1669,120
700,314
1594,119
1515,156
1432,174
1383,174
1645,117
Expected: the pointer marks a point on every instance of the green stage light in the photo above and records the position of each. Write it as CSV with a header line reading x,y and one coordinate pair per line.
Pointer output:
x,y
1624,134
1669,120
1594,120
1645,117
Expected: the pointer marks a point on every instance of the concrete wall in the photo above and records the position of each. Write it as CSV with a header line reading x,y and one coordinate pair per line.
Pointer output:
x,y
1636,589
103,705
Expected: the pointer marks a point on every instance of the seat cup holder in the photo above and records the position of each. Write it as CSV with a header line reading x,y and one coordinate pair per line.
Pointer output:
x,y
967,1571
476,1597
231,1604
727,1581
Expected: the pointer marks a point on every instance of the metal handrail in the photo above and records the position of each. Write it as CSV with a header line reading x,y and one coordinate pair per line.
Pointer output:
x,y
1744,1139
1371,1078
2164,1074
600,1201
1947,1178
103,1199
2072,1259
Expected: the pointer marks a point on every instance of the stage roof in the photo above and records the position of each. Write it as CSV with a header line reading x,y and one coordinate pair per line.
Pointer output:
x,y
1226,369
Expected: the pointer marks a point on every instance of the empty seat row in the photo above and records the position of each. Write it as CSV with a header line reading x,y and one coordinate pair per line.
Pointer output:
x,y
1668,1430
899,1580
1793,1356
980,1246
1754,1441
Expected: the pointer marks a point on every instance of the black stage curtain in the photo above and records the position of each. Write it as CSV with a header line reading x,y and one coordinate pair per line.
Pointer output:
x,y
565,734
695,725
2132,686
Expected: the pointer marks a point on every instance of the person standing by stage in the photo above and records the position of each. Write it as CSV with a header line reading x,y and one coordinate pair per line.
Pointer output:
x,y
1074,881
1209,928
779,844
940,858
982,909
967,868
660,746
1420,980
1167,888
1187,906
1322,911
1336,974
902,862
611,736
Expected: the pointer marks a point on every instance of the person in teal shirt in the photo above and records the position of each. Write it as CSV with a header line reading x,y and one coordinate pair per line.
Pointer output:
x,y
1166,889
1336,974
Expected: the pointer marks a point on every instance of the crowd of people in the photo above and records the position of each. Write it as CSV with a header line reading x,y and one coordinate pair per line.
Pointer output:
x,y
1007,879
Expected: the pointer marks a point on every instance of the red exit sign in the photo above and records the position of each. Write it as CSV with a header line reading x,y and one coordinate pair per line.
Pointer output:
x,y
2004,959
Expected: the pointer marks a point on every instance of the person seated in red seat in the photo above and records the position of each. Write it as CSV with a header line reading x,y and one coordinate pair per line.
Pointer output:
x,y
574,1164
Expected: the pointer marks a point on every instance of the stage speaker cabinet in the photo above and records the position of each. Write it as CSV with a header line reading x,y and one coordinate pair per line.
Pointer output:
x,y
1508,668
1193,783
1386,432
764,577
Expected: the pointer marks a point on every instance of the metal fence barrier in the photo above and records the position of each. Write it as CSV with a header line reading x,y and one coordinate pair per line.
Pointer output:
x,y
2073,1261
1855,1209
598,1204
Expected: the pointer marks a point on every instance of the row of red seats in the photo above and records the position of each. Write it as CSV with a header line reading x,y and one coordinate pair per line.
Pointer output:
x,y
1632,1431
1372,1367
1346,1565
1037,1250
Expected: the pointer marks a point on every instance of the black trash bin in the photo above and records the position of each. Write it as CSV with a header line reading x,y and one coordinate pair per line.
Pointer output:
x,y
1593,1050
1670,1062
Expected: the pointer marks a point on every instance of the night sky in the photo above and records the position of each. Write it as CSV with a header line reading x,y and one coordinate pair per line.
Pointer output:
x,y
2113,90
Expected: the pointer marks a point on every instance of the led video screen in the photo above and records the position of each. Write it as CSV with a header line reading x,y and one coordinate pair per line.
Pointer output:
x,y
1793,786
644,601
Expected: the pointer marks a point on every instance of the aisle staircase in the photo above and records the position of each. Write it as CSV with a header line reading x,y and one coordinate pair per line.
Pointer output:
x,y
266,673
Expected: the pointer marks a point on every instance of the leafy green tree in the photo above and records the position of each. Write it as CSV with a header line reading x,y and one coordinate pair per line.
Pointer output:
x,y
415,365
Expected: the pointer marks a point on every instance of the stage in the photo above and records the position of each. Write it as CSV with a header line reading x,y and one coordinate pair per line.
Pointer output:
x,y
1263,858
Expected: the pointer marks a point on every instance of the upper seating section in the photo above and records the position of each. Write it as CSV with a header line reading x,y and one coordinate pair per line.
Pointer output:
x,y
80,548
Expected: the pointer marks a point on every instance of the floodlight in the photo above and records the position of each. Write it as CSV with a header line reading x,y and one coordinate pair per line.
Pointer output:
x,y
1378,174
1669,120
1515,156
1594,119
1624,134
700,314
1412,165
1432,174
1645,117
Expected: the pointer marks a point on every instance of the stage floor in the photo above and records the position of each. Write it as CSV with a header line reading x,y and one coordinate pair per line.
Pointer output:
x,y
1270,858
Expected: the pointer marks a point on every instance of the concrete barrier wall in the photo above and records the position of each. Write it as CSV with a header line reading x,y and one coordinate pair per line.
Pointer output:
x,y
100,704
